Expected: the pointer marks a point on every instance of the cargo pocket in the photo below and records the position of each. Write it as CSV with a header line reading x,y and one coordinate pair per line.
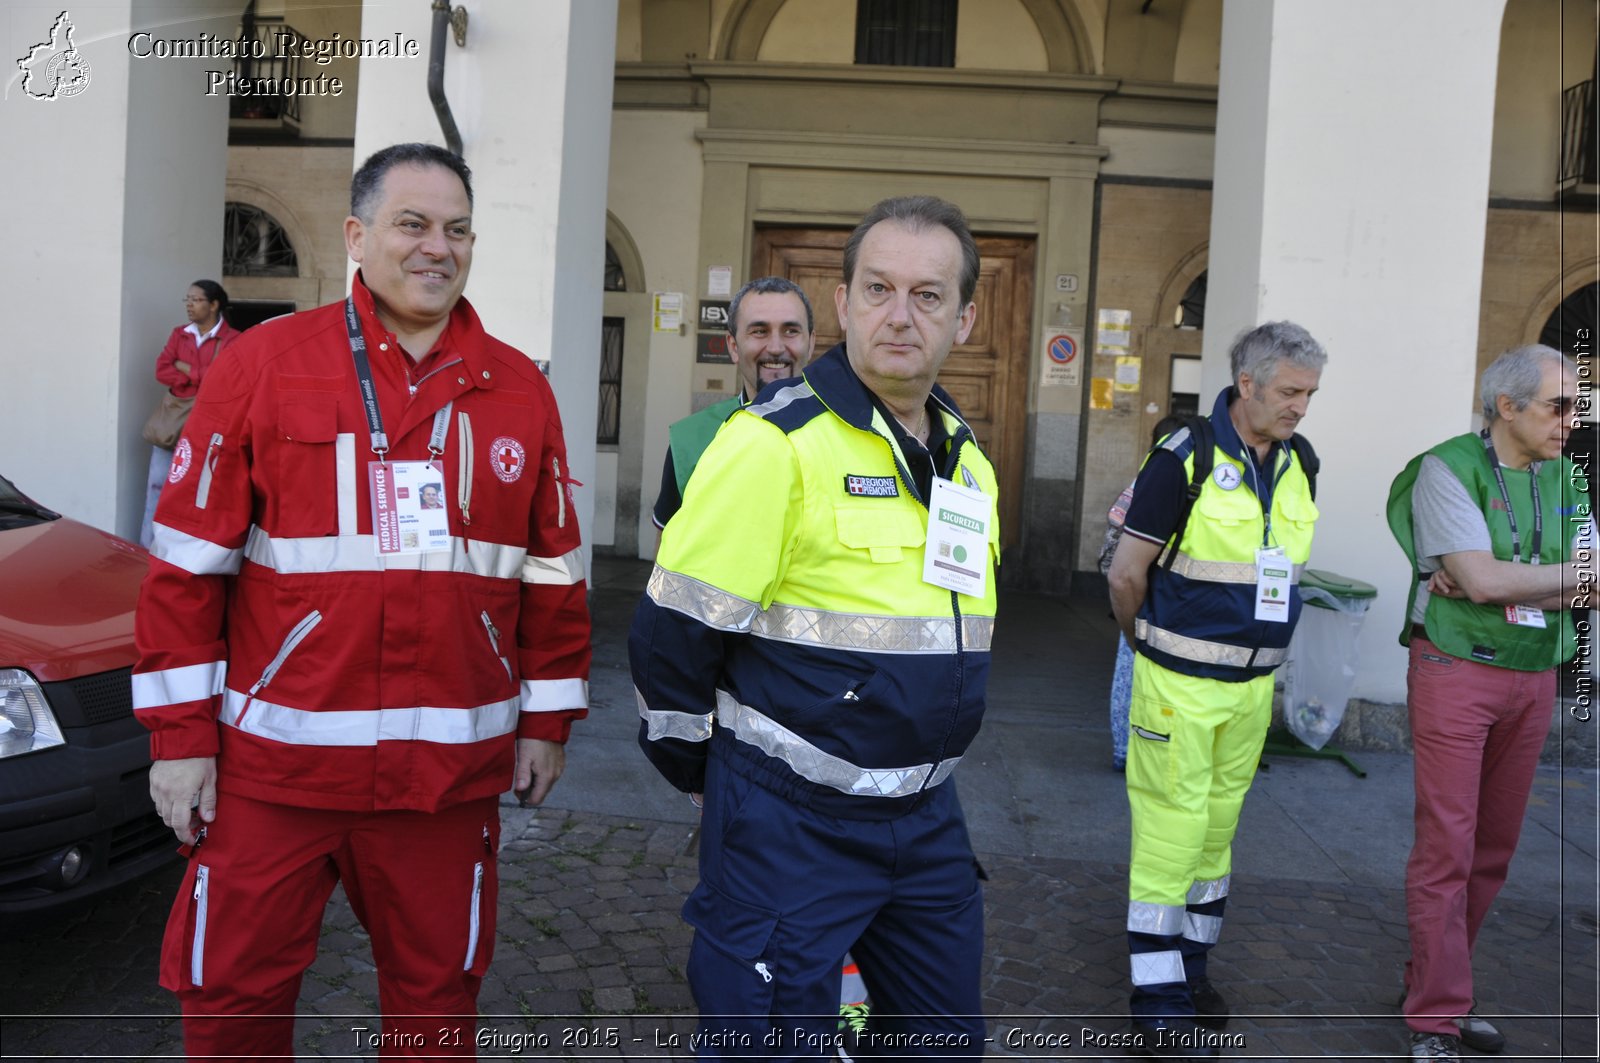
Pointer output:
x,y
884,530
730,972
1152,754
307,462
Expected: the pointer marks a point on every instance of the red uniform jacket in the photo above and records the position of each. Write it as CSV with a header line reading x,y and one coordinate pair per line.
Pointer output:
x,y
181,347
272,636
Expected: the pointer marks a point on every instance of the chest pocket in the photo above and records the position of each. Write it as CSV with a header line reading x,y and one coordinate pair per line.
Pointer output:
x,y
885,532
306,494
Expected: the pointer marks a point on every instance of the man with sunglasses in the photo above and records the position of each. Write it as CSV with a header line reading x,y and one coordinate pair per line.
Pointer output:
x,y
1501,541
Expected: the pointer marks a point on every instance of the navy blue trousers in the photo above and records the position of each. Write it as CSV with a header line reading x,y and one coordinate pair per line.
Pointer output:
x,y
785,892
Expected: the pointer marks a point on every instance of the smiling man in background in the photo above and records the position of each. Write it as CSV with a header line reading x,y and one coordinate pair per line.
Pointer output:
x,y
771,335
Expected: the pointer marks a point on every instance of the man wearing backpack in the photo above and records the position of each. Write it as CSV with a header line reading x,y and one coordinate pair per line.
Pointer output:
x,y
1205,587
1491,523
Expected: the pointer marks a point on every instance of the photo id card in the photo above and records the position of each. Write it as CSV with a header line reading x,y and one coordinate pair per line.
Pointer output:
x,y
956,556
1525,615
408,510
1273,572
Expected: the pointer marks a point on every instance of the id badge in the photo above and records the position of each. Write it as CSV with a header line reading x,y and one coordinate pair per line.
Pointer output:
x,y
408,511
1525,616
957,553
1273,572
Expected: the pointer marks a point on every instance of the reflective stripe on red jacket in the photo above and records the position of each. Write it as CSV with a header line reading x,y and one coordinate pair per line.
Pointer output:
x,y
272,636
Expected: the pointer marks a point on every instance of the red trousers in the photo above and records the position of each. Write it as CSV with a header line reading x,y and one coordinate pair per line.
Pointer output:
x,y
246,921
1477,731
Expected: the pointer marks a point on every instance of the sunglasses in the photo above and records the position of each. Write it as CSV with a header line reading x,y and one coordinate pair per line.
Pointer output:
x,y
1562,404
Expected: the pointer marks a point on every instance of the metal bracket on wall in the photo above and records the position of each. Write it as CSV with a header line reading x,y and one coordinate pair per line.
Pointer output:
x,y
458,25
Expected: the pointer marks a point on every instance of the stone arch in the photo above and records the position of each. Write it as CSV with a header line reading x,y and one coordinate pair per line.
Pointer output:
x,y
1570,280
1060,22
264,199
627,251
1177,282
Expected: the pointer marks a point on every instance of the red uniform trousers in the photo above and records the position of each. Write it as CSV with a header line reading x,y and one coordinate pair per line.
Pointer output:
x,y
246,921
1477,731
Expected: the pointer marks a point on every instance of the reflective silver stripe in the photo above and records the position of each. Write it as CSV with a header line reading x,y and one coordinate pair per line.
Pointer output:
x,y
869,633
785,396
368,727
474,916
824,769
357,553
193,554
684,726
553,695
1202,928
174,686
1156,968
563,571
705,603
1203,892
1207,652
344,474
1176,439
1146,917
1222,571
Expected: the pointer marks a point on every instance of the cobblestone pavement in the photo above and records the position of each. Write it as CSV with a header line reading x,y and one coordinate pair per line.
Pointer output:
x,y
591,949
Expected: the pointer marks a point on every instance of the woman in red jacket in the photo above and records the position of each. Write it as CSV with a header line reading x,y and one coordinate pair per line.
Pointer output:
x,y
182,364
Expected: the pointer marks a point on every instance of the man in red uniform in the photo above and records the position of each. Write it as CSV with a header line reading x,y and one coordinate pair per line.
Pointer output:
x,y
340,682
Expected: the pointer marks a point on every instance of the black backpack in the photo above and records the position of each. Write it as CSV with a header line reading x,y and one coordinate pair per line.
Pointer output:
x,y
1205,443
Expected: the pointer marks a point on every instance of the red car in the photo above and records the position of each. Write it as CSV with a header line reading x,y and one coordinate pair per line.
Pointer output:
x,y
75,810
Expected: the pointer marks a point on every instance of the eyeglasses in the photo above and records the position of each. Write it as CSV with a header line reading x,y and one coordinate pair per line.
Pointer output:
x,y
1561,404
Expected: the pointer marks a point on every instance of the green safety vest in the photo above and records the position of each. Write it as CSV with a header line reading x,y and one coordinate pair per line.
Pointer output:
x,y
1480,632
690,437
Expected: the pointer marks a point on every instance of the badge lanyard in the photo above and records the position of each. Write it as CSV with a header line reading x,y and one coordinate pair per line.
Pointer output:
x,y
402,522
1511,517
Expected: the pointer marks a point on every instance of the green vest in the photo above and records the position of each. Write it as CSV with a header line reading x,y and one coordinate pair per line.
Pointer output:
x,y
689,438
1480,632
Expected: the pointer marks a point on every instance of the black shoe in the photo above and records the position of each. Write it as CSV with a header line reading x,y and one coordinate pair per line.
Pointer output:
x,y
1175,1037
1210,1009
1478,1033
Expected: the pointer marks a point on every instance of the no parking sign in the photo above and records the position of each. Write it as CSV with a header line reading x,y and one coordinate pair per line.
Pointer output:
x,y
1062,359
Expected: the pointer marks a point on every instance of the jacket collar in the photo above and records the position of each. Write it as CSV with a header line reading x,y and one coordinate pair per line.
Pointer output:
x,y
1227,436
463,334
836,384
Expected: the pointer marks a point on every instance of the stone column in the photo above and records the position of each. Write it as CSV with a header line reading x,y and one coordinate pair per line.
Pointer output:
x,y
1351,192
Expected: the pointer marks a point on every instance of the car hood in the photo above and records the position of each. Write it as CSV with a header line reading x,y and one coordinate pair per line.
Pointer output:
x,y
67,594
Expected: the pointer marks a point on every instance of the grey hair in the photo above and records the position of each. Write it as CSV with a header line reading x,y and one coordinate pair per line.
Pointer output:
x,y
1260,351
768,286
1517,375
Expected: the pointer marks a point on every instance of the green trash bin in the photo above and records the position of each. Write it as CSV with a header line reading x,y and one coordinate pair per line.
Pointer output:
x,y
1322,654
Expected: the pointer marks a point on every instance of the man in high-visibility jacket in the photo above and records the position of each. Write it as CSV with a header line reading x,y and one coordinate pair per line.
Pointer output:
x,y
1210,622
1501,541
812,654
771,336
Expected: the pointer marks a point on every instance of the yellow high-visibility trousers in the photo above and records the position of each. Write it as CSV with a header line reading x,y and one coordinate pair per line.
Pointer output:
x,y
1193,747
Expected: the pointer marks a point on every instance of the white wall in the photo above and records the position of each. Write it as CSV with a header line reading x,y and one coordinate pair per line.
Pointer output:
x,y
114,201
1350,195
531,94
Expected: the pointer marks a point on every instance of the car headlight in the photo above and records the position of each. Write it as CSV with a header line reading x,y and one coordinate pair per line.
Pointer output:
x,y
26,722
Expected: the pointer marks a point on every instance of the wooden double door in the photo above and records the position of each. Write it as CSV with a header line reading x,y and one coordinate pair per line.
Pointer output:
x,y
987,376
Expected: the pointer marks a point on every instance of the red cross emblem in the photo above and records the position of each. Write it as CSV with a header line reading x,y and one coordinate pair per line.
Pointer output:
x,y
508,459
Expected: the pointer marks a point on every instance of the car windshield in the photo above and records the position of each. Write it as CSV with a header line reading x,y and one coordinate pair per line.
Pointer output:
x,y
17,510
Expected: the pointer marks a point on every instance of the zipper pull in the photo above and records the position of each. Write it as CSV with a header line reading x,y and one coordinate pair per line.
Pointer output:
x,y
761,969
